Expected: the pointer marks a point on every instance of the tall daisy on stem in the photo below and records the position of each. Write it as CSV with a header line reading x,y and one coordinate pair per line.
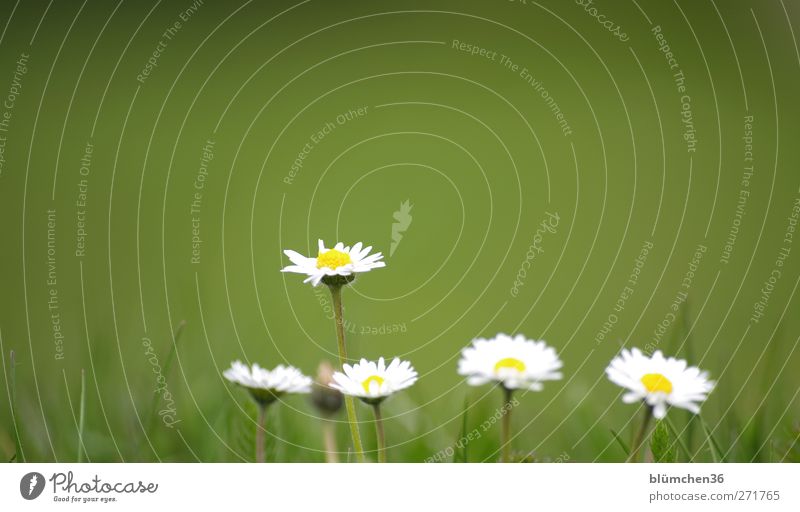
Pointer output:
x,y
658,382
336,268
372,382
513,362
265,387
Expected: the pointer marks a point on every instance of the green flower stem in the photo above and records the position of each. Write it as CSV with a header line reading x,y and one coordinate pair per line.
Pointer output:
x,y
381,436
261,432
336,295
506,440
638,441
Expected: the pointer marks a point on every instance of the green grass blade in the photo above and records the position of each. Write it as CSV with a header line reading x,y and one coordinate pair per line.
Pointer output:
x,y
19,455
82,417
716,453
792,449
460,454
620,442
171,355
691,428
678,439
244,429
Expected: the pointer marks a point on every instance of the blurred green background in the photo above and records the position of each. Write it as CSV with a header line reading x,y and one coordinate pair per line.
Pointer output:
x,y
226,101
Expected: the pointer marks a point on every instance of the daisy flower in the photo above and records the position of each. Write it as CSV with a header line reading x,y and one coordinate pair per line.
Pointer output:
x,y
373,381
268,385
516,363
334,266
265,387
659,381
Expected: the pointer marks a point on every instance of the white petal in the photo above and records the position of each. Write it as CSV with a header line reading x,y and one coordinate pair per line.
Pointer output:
x,y
296,257
631,397
296,269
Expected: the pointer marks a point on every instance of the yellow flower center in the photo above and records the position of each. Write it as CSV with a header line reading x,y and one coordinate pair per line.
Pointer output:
x,y
333,259
655,382
509,362
370,380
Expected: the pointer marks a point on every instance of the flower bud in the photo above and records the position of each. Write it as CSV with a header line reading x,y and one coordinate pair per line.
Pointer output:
x,y
326,399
